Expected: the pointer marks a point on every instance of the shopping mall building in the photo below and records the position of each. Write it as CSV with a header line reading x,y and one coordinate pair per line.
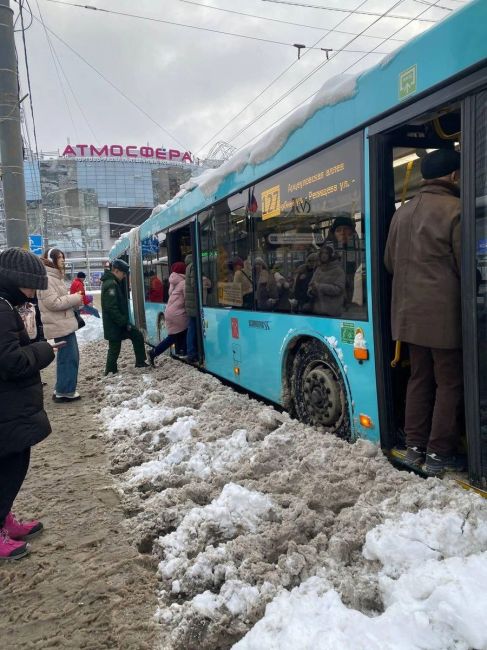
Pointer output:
x,y
80,199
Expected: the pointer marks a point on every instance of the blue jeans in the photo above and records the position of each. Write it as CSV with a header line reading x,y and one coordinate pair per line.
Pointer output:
x,y
178,339
191,344
88,309
67,363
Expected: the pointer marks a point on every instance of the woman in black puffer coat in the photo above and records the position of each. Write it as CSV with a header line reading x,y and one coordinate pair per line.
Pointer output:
x,y
23,421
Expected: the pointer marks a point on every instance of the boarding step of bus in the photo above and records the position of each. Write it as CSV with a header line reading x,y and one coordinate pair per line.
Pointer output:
x,y
398,457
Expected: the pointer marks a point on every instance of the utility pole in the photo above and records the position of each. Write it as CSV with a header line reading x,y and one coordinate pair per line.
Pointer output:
x,y
11,148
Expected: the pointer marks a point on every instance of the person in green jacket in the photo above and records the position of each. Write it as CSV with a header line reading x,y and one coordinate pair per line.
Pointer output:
x,y
116,324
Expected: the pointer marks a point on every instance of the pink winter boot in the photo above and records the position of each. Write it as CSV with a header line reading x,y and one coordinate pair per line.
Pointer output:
x,y
11,549
22,530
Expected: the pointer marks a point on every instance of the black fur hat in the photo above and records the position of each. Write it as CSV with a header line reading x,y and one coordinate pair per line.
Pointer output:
x,y
440,163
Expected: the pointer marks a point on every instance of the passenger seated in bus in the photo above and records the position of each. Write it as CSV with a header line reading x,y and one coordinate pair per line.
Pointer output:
x,y
175,316
243,278
206,282
266,294
347,246
423,253
283,290
304,273
156,290
327,286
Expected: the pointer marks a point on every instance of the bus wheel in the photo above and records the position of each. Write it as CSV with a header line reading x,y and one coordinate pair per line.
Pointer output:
x,y
318,389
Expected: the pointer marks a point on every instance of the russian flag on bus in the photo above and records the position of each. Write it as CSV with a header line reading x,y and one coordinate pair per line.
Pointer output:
x,y
252,202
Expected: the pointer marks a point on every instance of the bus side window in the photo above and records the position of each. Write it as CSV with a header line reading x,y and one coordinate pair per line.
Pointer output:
x,y
226,270
309,253
155,270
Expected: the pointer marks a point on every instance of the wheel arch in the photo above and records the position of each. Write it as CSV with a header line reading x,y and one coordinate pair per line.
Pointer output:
x,y
289,349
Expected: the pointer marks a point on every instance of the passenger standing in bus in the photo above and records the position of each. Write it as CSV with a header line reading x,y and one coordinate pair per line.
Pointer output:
x,y
327,286
267,294
423,252
156,289
191,310
175,316
116,324
245,281
304,273
347,247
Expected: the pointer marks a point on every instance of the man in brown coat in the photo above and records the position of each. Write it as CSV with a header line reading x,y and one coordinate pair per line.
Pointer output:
x,y
423,253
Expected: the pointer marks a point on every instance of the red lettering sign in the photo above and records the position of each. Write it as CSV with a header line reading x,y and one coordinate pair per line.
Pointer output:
x,y
99,152
69,151
235,332
131,151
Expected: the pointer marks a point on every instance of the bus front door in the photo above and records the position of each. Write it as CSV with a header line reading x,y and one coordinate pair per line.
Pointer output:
x,y
395,178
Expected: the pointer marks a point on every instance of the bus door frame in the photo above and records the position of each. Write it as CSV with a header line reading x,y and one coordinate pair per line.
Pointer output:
x,y
194,233
463,91
137,281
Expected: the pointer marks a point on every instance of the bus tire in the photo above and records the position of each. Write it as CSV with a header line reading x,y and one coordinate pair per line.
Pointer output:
x,y
318,389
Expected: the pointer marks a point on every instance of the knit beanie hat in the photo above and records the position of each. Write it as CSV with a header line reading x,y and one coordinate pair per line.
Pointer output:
x,y
342,220
23,269
178,267
439,163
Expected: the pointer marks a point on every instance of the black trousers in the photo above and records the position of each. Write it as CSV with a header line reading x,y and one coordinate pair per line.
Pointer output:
x,y
434,399
13,470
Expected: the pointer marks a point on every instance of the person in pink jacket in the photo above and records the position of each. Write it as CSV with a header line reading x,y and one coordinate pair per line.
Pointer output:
x,y
175,315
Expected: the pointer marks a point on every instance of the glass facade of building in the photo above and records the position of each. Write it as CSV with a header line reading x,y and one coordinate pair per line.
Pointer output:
x,y
82,205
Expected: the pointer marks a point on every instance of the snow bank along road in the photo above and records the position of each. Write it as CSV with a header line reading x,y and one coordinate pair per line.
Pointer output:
x,y
259,533
271,535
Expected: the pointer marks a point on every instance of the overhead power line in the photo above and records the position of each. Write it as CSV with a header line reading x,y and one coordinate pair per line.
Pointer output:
x,y
31,101
55,63
272,20
185,25
361,13
108,81
319,67
66,78
267,128
279,76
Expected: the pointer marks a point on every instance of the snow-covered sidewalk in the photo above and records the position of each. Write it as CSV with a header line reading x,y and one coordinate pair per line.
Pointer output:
x,y
271,535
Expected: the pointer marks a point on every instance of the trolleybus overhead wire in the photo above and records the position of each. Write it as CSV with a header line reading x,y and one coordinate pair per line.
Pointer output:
x,y
108,81
197,27
311,74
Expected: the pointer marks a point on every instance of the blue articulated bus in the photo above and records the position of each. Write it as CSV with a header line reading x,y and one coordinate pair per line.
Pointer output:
x,y
325,184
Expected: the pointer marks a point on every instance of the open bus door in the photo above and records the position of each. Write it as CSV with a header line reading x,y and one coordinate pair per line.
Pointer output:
x,y
396,146
183,243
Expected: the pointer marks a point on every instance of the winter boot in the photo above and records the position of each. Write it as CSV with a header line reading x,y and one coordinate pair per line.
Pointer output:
x,y
11,549
22,530
415,457
437,465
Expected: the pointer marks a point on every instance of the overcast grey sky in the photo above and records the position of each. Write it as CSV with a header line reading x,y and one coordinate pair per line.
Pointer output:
x,y
192,82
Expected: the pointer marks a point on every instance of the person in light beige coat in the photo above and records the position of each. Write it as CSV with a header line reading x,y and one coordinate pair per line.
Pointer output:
x,y
57,306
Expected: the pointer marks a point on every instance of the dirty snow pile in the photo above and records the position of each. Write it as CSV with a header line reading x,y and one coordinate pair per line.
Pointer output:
x,y
268,534
92,331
